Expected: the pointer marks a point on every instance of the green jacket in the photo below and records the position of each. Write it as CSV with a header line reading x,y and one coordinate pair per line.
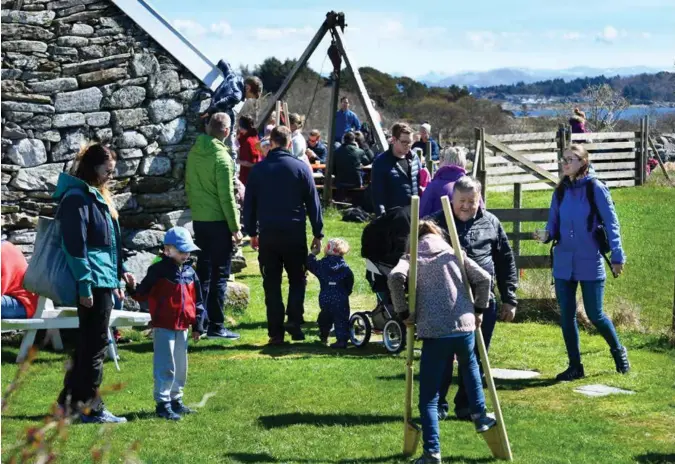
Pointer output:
x,y
209,183
90,236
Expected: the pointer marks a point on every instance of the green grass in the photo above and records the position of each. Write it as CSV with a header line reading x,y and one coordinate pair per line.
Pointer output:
x,y
304,403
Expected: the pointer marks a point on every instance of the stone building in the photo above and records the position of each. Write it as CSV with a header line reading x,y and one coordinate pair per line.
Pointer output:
x,y
75,71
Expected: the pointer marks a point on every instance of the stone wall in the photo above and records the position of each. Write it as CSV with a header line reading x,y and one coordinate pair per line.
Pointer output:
x,y
80,70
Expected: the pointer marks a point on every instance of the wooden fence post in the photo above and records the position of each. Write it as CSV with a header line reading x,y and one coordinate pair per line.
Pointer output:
x,y
517,204
482,171
429,162
639,164
646,158
328,173
561,147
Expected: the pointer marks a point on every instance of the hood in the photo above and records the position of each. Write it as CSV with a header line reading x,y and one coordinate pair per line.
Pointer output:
x,y
205,146
336,263
450,173
68,182
432,244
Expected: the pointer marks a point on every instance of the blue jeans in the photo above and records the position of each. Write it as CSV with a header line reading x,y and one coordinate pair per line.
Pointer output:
x,y
461,399
12,308
592,293
213,267
436,353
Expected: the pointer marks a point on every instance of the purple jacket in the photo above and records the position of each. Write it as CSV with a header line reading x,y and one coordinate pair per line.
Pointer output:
x,y
441,185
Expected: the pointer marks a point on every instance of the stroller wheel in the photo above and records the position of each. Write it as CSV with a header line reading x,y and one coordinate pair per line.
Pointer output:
x,y
359,329
393,336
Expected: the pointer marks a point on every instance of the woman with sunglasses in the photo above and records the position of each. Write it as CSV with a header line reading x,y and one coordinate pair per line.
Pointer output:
x,y
577,258
93,247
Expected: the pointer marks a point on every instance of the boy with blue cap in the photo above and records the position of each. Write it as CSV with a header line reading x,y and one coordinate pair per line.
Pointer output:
x,y
172,289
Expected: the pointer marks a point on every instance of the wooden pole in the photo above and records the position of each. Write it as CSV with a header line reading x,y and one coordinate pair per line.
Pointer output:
x,y
561,147
501,448
478,153
482,171
287,115
429,161
639,161
644,161
517,204
278,113
658,158
328,181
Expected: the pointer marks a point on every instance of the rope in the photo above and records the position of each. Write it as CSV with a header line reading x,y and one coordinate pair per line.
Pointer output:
x,y
316,88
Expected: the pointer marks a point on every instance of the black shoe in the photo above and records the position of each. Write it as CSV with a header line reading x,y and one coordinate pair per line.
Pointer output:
x,y
295,332
223,333
620,356
463,414
571,373
164,411
276,341
179,408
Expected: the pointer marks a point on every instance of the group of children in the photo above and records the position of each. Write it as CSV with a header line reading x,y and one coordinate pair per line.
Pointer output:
x,y
172,289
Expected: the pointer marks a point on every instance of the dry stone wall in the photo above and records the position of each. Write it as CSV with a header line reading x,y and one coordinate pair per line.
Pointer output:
x,y
75,71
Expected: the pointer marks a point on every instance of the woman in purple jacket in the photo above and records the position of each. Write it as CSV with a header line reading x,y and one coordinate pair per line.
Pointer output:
x,y
573,222
452,168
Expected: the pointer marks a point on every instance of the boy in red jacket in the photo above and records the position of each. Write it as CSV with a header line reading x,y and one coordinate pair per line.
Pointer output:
x,y
172,289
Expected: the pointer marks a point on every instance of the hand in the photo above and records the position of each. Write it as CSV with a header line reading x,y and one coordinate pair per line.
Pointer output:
x,y
196,335
237,237
316,246
479,320
507,313
254,243
87,301
119,293
129,279
541,235
617,269
409,322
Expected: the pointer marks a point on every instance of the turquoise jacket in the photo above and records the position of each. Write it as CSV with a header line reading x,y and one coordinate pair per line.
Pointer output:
x,y
91,238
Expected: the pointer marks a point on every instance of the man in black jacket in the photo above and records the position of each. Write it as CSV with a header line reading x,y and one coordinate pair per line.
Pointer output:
x,y
484,240
349,159
279,194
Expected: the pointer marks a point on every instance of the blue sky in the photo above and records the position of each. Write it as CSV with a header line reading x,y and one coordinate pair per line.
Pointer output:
x,y
415,38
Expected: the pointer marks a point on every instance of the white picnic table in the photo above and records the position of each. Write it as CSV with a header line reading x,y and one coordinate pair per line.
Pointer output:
x,y
53,319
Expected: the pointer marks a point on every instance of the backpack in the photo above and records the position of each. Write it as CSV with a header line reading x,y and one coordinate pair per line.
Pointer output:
x,y
599,233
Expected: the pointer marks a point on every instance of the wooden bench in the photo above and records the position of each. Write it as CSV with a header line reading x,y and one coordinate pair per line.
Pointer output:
x,y
53,319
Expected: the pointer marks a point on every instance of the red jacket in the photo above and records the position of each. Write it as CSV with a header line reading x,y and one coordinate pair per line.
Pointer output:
x,y
248,151
174,295
14,267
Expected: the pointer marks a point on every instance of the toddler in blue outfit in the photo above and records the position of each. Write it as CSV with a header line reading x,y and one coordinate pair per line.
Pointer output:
x,y
337,283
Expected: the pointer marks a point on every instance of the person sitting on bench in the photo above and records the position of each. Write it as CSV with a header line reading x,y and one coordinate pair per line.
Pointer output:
x,y
17,302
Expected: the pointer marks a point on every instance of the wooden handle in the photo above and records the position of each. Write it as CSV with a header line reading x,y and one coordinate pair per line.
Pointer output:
x,y
412,299
454,239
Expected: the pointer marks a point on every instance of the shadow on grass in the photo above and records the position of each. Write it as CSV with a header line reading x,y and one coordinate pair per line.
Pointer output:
x,y
324,420
655,458
268,458
26,417
501,384
9,356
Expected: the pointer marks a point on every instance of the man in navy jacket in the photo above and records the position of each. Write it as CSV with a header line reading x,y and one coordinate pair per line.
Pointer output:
x,y
395,175
279,194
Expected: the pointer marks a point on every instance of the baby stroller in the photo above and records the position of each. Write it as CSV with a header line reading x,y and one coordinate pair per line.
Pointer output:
x,y
382,244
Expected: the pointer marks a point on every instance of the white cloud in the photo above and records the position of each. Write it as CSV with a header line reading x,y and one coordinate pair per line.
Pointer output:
x,y
608,35
271,33
221,28
646,35
482,40
572,35
189,27
391,29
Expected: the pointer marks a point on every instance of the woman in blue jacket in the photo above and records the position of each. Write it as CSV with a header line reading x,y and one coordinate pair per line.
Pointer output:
x,y
576,256
93,248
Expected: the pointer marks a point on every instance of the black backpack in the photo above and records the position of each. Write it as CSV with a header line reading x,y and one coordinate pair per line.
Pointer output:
x,y
599,233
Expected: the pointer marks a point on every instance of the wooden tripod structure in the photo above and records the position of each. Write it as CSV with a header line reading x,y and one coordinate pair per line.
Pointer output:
x,y
335,25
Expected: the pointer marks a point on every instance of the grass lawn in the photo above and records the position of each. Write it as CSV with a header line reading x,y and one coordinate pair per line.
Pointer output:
x,y
304,403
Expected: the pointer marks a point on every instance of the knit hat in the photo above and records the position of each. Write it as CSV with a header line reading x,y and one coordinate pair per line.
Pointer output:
x,y
426,127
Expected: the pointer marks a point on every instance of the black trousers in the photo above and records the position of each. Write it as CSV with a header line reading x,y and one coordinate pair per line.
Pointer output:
x,y
83,379
279,251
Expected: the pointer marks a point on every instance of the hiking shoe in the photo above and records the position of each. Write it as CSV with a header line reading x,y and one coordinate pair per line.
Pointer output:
x,y
179,407
223,333
483,422
339,345
429,458
571,373
620,356
102,417
275,341
295,332
164,411
463,414
442,414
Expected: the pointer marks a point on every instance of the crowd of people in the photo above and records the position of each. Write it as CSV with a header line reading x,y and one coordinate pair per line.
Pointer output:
x,y
280,194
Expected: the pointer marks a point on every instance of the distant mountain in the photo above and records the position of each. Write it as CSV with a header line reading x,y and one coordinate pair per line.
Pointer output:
x,y
509,76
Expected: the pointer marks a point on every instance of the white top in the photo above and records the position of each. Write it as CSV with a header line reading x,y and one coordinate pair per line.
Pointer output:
x,y
298,144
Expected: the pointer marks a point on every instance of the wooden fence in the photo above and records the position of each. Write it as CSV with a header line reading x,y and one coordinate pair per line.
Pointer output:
x,y
618,158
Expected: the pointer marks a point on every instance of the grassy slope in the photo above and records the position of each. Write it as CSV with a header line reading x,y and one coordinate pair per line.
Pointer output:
x,y
304,403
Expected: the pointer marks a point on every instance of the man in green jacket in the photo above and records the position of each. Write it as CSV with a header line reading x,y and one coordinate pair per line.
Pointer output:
x,y
209,186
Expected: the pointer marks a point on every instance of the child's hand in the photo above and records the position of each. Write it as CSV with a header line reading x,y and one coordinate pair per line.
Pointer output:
x,y
196,335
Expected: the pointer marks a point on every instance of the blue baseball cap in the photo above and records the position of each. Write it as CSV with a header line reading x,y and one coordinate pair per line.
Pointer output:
x,y
180,238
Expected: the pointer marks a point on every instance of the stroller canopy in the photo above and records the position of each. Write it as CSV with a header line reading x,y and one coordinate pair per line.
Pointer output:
x,y
384,240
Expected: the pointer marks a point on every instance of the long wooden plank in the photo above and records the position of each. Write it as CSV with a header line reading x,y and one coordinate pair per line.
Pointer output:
x,y
628,174
537,157
603,136
538,186
533,167
533,262
522,215
609,145
533,146
500,170
513,179
626,155
520,235
525,137
614,166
